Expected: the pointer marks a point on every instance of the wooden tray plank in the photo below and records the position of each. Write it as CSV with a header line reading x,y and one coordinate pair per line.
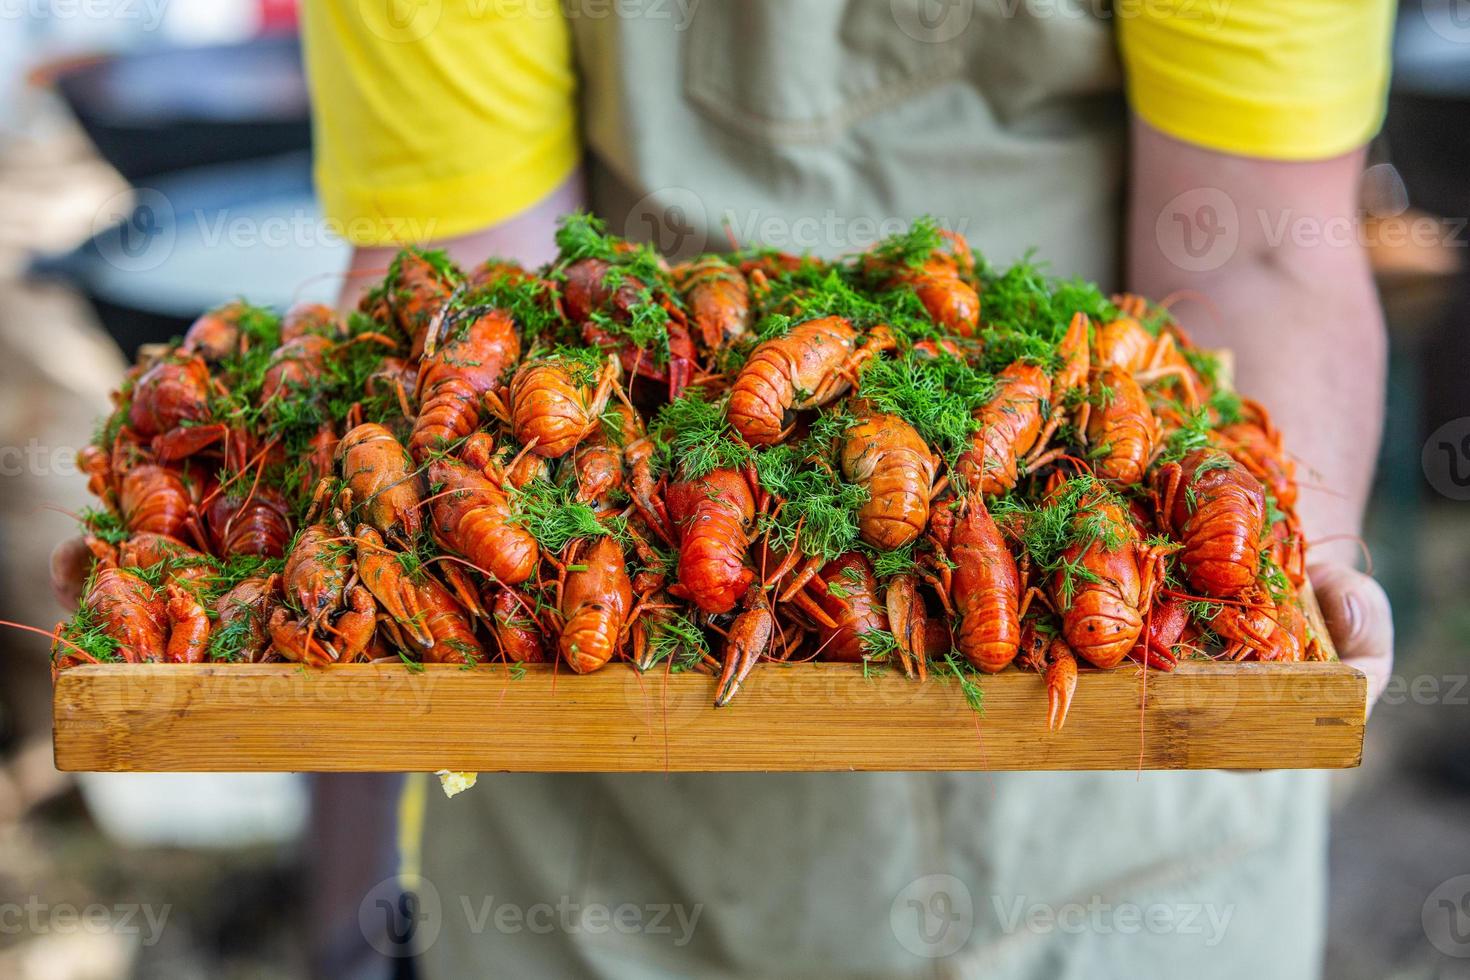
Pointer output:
x,y
807,717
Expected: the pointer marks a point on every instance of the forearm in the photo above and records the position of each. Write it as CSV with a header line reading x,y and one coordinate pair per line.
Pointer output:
x,y
1300,314
527,238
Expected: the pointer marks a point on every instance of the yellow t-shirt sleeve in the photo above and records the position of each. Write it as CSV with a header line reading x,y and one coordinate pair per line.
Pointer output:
x,y
1278,79
435,118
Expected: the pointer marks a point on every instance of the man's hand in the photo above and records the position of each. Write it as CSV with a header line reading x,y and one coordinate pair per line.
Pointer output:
x,y
71,563
1359,619
528,238
1300,313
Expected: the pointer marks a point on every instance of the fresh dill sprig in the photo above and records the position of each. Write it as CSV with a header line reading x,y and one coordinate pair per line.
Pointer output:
x,y
227,641
694,438
646,326
811,292
886,564
938,396
529,301
554,518
86,631
105,525
1027,312
581,235
437,258
879,646
1207,365
1057,532
582,364
677,637
910,248
828,427
814,498
1227,407
966,674
1193,433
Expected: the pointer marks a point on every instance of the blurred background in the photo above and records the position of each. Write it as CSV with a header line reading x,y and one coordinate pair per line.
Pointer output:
x,y
155,160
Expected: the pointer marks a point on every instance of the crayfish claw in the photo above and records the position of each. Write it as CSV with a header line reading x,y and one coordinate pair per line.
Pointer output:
x,y
383,574
750,638
1159,658
908,620
1061,684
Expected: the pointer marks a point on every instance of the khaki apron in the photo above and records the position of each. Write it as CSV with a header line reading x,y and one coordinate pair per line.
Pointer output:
x,y
811,124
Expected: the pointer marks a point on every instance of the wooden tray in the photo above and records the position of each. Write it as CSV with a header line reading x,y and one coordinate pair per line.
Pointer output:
x,y
155,717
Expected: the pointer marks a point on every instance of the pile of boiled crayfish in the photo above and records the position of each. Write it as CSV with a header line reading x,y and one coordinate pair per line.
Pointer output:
x,y
905,457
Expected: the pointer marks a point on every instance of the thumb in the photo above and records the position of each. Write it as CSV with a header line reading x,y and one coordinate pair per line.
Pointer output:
x,y
1359,618
71,563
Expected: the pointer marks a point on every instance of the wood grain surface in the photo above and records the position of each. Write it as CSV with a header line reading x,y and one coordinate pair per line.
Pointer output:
x,y
799,718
